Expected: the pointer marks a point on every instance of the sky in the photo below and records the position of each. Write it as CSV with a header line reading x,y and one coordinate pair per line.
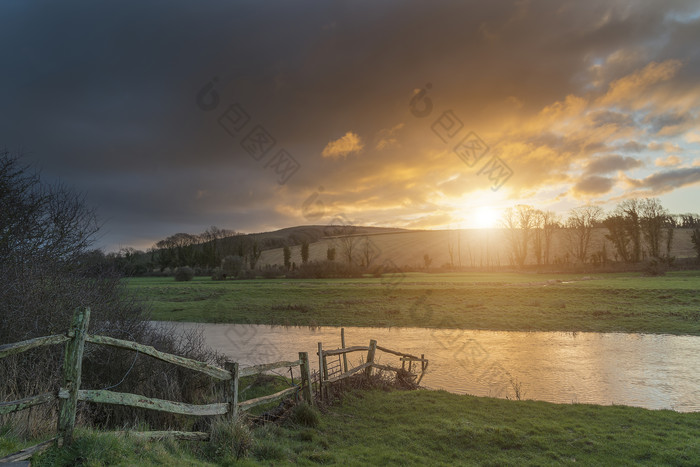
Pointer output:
x,y
173,116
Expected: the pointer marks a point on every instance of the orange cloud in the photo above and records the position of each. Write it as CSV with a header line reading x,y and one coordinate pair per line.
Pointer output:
x,y
669,161
349,143
387,137
629,87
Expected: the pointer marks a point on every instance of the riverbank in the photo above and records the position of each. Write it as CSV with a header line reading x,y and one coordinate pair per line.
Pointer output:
x,y
610,302
427,427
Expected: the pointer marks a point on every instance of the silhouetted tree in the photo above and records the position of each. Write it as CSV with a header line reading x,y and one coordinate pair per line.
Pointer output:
x,y
304,252
579,230
287,253
518,223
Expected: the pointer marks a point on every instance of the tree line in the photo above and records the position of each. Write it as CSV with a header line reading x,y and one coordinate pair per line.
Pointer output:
x,y
638,229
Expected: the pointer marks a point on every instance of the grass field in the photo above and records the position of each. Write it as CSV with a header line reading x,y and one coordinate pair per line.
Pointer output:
x,y
429,428
611,302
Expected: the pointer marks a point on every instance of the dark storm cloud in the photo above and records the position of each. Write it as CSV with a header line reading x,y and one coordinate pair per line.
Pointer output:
x,y
663,182
593,185
102,95
611,163
633,146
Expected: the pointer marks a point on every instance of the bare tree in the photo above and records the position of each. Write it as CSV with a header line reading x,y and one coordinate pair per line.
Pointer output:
x,y
368,252
579,230
450,249
550,224
654,217
518,223
254,253
618,234
695,240
630,210
346,240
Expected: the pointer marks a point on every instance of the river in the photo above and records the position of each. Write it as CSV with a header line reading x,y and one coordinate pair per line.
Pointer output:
x,y
645,370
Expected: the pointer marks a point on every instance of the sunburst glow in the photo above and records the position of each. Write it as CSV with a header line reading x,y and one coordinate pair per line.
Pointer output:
x,y
486,217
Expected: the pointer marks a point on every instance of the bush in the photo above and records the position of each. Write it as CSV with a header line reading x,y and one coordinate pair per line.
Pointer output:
x,y
46,234
305,415
232,265
184,274
655,267
269,450
218,275
272,272
325,270
231,438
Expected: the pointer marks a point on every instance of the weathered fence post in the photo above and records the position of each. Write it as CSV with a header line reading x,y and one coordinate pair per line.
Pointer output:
x,y
305,377
72,367
370,356
232,390
320,370
342,344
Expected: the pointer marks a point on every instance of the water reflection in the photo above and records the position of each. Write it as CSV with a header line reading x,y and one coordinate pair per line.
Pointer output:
x,y
646,370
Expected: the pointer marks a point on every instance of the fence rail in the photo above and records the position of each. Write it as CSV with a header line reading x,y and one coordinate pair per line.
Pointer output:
x,y
70,393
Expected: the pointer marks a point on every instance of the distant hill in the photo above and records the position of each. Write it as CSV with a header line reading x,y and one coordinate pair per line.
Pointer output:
x,y
313,233
470,247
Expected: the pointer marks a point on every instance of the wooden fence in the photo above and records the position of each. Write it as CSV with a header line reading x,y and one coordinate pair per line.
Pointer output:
x,y
327,377
70,393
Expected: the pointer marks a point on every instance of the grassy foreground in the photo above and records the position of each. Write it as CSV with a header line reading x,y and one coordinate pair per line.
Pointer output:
x,y
610,302
429,428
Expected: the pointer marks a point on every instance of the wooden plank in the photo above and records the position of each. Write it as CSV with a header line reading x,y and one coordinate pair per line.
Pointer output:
x,y
350,373
370,356
211,370
232,390
15,406
342,344
254,370
72,369
11,349
356,348
135,400
412,359
424,369
320,370
249,404
400,354
385,367
305,368
26,453
180,435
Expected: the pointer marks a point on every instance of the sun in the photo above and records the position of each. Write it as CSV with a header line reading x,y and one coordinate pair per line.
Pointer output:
x,y
485,217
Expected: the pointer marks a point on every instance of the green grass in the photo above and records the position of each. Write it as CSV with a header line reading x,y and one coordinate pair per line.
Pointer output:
x,y
430,428
611,302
